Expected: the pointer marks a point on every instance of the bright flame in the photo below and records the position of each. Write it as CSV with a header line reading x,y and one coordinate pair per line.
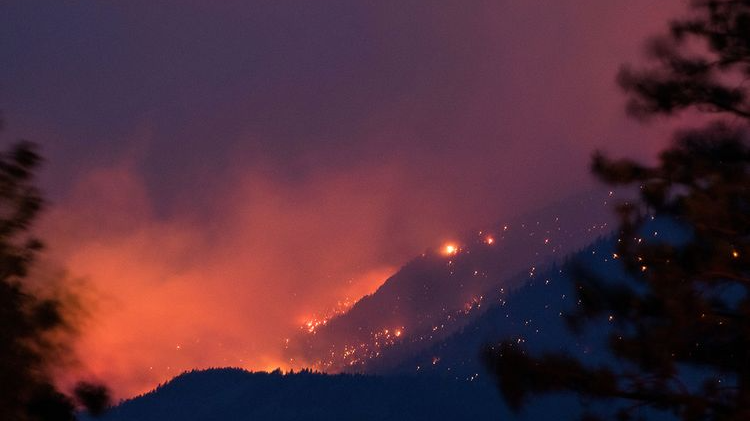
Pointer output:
x,y
450,249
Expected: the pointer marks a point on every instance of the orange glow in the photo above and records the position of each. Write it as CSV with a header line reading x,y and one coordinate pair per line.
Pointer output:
x,y
450,249
489,240
225,246
225,292
735,254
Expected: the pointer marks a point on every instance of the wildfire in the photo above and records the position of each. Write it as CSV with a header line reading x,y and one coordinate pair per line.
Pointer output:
x,y
450,249
312,324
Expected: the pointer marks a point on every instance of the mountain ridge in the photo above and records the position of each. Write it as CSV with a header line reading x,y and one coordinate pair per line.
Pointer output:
x,y
443,289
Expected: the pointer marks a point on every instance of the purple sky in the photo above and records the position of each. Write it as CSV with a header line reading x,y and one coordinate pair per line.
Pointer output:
x,y
233,167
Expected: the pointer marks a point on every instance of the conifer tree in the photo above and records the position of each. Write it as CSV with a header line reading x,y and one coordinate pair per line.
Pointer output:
x,y
34,326
681,338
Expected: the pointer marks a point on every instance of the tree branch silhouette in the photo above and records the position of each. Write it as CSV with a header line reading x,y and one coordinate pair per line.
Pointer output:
x,y
685,306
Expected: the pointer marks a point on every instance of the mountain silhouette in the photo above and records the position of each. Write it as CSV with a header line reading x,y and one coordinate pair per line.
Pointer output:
x,y
437,293
234,394
526,285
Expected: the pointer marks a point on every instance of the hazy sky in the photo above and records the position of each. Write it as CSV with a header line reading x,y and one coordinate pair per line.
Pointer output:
x,y
219,171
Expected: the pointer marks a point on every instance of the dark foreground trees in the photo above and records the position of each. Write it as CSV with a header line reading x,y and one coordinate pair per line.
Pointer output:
x,y
34,327
681,337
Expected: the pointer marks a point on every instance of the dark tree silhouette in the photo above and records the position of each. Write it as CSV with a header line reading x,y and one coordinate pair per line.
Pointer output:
x,y
33,325
680,343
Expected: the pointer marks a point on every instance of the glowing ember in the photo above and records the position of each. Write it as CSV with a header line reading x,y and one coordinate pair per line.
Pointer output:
x,y
311,324
450,249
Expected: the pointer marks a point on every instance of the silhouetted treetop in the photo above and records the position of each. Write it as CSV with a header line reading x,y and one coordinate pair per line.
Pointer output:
x,y
703,62
679,323
33,325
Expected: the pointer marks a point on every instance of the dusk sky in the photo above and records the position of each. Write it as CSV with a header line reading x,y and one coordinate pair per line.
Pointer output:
x,y
219,172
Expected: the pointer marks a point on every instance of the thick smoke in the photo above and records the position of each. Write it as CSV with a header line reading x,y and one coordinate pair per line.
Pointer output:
x,y
222,171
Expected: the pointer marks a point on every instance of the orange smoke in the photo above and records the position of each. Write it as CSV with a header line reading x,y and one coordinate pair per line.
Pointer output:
x,y
182,292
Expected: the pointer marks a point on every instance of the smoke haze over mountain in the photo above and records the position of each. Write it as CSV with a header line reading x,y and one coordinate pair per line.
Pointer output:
x,y
241,167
